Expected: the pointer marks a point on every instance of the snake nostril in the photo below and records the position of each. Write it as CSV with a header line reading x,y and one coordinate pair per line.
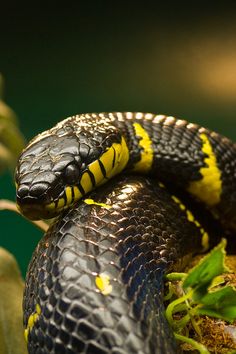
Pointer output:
x,y
38,189
23,191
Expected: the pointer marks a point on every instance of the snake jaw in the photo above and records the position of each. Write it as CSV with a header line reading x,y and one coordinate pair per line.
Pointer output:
x,y
33,212
35,190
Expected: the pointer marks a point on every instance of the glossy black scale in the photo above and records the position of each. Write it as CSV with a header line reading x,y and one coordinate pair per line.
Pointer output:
x,y
177,147
143,235
178,156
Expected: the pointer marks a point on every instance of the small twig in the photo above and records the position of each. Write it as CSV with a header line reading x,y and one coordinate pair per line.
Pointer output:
x,y
9,205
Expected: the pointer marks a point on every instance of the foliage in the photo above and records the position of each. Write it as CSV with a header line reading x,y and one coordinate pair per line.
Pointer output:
x,y
11,139
203,292
11,284
11,292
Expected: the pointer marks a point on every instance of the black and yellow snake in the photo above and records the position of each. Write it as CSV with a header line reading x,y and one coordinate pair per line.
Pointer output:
x,y
95,281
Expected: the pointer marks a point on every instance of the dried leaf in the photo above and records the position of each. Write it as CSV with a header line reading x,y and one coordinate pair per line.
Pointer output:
x,y
11,292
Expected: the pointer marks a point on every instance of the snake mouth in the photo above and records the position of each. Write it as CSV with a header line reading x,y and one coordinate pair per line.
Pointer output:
x,y
35,211
47,207
32,200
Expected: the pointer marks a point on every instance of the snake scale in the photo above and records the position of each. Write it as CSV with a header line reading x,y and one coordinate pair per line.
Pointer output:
x,y
95,281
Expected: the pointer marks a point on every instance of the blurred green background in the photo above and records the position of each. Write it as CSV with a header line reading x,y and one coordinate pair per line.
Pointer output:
x,y
107,56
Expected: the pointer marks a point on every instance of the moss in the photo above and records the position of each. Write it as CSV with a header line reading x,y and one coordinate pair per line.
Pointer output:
x,y
217,335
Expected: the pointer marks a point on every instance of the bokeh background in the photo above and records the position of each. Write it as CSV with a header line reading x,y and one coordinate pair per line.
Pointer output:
x,y
153,56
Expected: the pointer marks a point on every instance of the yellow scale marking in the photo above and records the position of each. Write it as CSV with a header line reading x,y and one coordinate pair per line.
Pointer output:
x,y
61,203
69,199
92,202
31,321
51,206
77,194
102,282
69,196
86,182
121,158
145,163
95,169
191,218
209,188
107,160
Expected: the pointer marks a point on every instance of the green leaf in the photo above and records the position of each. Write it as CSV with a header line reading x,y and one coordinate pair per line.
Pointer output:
x,y
208,268
227,314
11,292
220,303
219,280
221,297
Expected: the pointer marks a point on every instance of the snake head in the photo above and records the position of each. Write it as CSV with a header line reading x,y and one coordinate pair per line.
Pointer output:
x,y
61,165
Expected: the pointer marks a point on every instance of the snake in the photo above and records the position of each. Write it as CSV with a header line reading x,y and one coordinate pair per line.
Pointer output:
x,y
132,196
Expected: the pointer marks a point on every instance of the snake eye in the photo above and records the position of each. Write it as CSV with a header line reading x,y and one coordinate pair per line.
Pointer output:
x,y
72,174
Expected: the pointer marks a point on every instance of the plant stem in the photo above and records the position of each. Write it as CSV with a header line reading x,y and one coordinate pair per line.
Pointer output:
x,y
200,347
170,293
174,276
171,307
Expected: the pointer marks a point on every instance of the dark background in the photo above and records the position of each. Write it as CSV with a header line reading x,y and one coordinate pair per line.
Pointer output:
x,y
169,58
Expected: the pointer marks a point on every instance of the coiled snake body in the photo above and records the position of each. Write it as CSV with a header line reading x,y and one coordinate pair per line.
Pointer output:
x,y
95,281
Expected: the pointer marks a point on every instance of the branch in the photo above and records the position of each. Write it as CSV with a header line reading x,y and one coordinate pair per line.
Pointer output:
x,y
9,205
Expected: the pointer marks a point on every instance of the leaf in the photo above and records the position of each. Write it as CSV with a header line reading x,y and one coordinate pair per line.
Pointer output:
x,y
5,157
11,293
217,281
11,139
207,269
227,314
221,297
220,303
